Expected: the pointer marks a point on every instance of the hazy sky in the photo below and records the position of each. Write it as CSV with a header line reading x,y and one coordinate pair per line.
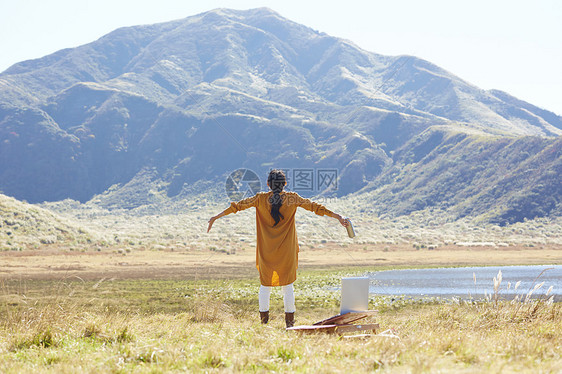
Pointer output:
x,y
511,45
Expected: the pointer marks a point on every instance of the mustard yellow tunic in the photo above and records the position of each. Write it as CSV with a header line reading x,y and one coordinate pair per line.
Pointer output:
x,y
277,247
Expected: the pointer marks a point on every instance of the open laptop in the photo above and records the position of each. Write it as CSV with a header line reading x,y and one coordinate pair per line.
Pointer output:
x,y
354,294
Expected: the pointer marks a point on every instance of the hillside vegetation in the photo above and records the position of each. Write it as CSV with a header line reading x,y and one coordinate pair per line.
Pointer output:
x,y
181,226
25,226
493,179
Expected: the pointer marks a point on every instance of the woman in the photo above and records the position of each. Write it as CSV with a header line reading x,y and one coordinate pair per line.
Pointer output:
x,y
277,244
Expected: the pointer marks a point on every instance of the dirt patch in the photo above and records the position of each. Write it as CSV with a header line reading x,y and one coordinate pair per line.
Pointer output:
x,y
61,263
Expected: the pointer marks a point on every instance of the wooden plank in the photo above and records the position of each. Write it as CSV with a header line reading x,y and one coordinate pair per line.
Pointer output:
x,y
331,329
343,319
342,329
311,329
358,336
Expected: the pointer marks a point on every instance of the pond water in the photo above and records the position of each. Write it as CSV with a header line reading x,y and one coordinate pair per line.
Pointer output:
x,y
468,282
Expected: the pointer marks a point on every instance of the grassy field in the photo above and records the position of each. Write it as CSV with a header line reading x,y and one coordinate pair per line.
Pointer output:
x,y
138,325
95,291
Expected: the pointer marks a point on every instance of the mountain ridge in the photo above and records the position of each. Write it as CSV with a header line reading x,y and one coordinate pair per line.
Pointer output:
x,y
195,98
144,56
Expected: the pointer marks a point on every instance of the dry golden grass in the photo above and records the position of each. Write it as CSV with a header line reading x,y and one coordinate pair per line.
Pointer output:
x,y
26,226
179,326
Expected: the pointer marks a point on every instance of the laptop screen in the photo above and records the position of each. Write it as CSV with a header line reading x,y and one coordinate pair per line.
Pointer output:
x,y
354,294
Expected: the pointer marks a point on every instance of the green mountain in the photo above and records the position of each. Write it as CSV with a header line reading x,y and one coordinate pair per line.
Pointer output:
x,y
495,179
150,112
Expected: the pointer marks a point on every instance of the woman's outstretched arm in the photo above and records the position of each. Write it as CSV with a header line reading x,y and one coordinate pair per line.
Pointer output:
x,y
235,207
319,209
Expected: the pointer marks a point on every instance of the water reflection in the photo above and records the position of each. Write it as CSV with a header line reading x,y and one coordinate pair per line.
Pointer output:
x,y
468,282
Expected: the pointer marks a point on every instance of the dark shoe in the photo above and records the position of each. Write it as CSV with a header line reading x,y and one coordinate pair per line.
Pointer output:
x,y
264,316
289,319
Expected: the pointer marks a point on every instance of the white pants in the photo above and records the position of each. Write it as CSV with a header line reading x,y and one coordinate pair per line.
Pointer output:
x,y
288,298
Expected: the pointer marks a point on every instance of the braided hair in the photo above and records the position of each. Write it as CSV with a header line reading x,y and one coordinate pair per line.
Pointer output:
x,y
276,181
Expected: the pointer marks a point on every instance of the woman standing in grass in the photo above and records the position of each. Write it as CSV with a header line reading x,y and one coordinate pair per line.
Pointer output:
x,y
277,243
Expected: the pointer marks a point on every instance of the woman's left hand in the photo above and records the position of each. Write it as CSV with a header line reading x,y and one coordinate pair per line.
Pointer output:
x,y
344,222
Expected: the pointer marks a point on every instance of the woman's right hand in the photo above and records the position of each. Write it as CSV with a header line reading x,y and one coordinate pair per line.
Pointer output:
x,y
211,221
